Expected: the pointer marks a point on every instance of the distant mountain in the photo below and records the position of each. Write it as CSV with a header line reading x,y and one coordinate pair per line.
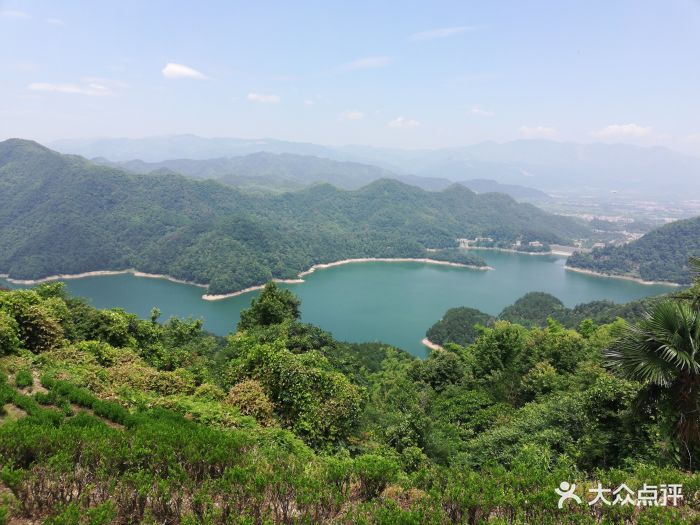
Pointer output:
x,y
288,172
547,165
157,149
64,214
660,255
550,165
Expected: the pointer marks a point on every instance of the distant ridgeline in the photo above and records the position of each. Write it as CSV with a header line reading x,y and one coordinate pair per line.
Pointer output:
x,y
458,325
660,255
278,172
62,214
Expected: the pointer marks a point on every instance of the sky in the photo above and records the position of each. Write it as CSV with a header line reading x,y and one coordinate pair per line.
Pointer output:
x,y
390,73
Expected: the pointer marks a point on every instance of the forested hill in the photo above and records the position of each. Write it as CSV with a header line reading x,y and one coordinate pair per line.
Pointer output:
x,y
660,255
64,214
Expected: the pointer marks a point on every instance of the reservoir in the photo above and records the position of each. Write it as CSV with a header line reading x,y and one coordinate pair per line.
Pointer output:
x,y
374,301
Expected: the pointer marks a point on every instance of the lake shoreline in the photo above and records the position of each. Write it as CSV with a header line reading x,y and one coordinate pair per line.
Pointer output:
x,y
98,273
433,346
219,297
624,277
323,266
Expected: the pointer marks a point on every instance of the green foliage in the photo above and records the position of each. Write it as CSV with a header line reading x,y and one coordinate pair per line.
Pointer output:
x,y
532,309
660,351
39,320
251,399
274,305
660,255
458,325
286,425
317,402
9,334
375,474
24,379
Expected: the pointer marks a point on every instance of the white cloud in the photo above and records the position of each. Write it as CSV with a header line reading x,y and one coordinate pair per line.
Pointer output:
x,y
91,89
622,131
309,102
443,32
263,98
695,137
173,70
351,114
537,132
402,122
480,112
13,14
55,21
366,63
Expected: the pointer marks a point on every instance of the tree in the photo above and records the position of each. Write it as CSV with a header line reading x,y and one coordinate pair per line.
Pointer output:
x,y
663,352
274,306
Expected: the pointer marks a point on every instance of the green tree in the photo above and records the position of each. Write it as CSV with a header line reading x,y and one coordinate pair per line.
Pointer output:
x,y
274,306
663,352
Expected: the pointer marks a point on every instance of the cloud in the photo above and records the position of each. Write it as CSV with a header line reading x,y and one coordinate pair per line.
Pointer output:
x,y
402,122
55,21
366,63
537,132
351,114
263,99
173,70
479,112
622,131
443,32
91,88
13,14
309,102
695,137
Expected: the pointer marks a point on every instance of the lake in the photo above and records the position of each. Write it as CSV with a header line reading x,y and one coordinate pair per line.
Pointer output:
x,y
375,301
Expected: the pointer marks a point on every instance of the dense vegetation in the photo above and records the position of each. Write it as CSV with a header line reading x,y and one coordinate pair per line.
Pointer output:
x,y
108,418
660,255
63,214
461,325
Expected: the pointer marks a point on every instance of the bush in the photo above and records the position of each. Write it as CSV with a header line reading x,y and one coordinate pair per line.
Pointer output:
x,y
251,399
9,334
24,379
375,473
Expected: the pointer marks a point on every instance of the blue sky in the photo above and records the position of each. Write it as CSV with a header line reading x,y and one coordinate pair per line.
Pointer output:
x,y
403,74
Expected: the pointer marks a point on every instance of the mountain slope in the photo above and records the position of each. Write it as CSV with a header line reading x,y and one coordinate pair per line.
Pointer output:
x,y
63,214
660,255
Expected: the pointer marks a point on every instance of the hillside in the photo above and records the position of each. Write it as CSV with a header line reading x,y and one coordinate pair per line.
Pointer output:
x,y
58,211
534,309
288,172
660,255
106,418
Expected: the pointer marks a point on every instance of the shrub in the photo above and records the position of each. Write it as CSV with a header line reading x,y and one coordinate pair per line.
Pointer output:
x,y
24,379
375,473
9,334
250,398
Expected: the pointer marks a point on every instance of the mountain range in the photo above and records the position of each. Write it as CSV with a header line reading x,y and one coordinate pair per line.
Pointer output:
x,y
543,164
63,214
288,172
